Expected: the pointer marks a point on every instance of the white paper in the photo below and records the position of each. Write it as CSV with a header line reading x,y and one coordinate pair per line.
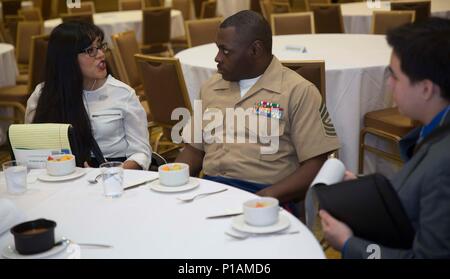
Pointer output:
x,y
332,171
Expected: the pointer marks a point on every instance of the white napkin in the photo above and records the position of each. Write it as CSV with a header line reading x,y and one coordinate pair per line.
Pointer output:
x,y
332,171
10,215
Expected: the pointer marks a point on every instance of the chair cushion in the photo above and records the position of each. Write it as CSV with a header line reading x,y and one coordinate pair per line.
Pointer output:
x,y
390,121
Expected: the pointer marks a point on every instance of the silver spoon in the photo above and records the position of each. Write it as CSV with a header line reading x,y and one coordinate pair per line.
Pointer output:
x,y
94,180
95,245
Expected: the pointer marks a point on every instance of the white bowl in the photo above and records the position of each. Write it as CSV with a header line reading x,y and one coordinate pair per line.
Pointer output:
x,y
173,177
60,168
261,211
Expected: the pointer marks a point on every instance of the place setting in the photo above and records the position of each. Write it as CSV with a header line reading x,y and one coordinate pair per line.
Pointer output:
x,y
174,178
61,168
260,217
36,240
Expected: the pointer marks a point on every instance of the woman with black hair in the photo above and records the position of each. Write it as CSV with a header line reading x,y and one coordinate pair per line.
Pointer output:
x,y
78,90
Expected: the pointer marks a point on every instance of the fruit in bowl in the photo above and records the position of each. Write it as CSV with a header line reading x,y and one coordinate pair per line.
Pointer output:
x,y
175,174
262,211
59,165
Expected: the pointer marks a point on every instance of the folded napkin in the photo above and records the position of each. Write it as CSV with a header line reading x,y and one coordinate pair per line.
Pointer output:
x,y
10,215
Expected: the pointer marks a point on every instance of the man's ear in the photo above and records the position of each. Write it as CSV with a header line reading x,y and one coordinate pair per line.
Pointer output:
x,y
256,48
429,89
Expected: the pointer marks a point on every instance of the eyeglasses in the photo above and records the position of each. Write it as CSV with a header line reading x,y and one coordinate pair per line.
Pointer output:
x,y
92,51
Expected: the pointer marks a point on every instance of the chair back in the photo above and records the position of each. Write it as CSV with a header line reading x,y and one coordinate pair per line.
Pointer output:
x,y
163,97
153,3
11,23
127,5
209,9
156,26
111,64
198,7
255,6
292,23
300,5
422,8
25,31
328,18
31,14
312,70
202,31
33,143
46,7
185,7
10,7
125,47
102,6
85,17
383,21
38,58
85,7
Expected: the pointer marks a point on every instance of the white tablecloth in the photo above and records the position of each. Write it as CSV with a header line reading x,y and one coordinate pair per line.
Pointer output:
x,y
115,22
8,73
358,16
355,77
147,224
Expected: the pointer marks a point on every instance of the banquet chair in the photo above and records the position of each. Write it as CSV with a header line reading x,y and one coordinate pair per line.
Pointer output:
x,y
31,14
166,91
208,9
16,96
314,2
328,18
300,5
85,17
46,8
269,7
111,64
127,5
85,7
422,8
25,31
153,3
102,6
125,46
292,23
202,31
10,7
11,22
311,70
185,7
389,125
383,21
156,28
28,139
198,7
255,6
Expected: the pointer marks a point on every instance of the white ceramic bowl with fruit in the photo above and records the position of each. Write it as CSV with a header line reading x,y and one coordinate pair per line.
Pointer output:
x,y
59,165
261,211
174,174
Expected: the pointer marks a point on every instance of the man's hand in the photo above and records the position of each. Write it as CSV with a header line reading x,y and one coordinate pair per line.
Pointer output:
x,y
349,176
335,232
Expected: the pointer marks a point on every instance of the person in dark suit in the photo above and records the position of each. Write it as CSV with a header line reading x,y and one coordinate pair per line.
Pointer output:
x,y
419,80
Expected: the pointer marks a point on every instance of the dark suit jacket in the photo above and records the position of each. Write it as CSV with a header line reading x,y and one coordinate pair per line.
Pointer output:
x,y
423,186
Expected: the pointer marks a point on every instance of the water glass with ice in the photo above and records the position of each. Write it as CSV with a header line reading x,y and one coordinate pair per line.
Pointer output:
x,y
112,175
16,177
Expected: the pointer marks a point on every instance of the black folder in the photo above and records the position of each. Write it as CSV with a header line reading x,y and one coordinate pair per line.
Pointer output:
x,y
371,207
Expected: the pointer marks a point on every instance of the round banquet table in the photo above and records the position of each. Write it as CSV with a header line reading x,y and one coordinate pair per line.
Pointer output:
x,y
9,71
356,71
143,223
358,16
115,22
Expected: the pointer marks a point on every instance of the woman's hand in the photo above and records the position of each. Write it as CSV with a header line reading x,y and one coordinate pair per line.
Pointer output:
x,y
335,232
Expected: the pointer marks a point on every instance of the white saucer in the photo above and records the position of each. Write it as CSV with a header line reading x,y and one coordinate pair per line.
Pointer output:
x,y
193,183
50,178
9,252
238,223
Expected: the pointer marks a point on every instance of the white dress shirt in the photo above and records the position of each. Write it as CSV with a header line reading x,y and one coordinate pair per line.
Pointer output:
x,y
118,121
